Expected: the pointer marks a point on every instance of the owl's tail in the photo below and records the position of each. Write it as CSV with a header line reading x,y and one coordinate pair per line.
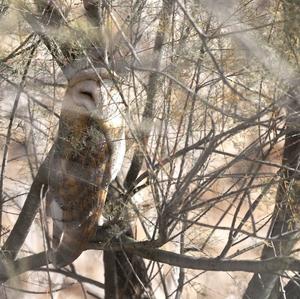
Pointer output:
x,y
72,244
70,239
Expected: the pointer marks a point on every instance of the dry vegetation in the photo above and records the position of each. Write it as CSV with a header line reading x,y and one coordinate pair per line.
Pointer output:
x,y
206,204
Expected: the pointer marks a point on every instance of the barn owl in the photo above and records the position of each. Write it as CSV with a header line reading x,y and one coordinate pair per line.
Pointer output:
x,y
89,152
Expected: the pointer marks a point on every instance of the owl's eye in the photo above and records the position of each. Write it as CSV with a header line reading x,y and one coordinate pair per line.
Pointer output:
x,y
87,99
88,94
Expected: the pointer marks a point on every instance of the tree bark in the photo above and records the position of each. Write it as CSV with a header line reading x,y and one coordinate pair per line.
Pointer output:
x,y
287,210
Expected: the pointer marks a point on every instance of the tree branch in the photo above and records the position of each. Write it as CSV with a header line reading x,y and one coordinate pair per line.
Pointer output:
x,y
9,269
21,228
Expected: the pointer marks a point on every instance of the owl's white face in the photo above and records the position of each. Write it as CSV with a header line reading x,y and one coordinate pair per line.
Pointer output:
x,y
97,95
86,94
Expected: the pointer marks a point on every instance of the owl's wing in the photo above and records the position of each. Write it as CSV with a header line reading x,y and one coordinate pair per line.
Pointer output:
x,y
76,195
